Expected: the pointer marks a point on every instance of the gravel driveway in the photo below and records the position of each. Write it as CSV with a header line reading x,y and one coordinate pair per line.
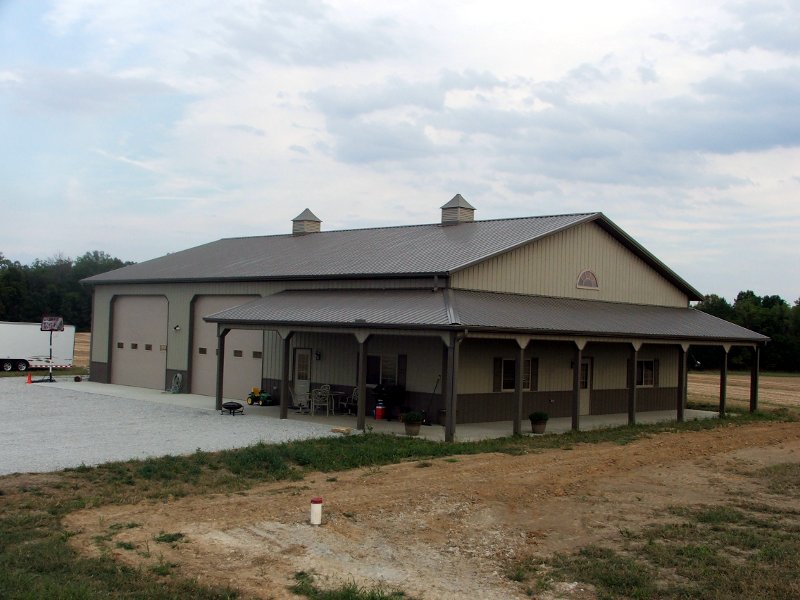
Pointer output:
x,y
52,426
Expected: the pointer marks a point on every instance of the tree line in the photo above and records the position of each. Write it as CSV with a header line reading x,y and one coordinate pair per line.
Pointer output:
x,y
52,287
769,315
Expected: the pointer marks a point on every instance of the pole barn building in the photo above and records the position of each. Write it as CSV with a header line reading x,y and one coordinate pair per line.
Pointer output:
x,y
469,320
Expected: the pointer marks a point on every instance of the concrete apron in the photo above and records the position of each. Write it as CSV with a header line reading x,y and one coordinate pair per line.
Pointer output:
x,y
464,432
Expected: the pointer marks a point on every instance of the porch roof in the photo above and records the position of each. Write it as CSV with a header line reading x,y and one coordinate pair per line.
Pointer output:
x,y
449,309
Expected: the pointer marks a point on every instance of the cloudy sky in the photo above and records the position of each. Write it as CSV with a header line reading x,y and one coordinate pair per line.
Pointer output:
x,y
145,127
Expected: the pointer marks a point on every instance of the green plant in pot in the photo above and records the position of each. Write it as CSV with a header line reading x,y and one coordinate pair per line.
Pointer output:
x,y
412,421
538,421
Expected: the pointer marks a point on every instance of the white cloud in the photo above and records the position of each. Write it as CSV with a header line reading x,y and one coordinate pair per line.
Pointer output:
x,y
191,121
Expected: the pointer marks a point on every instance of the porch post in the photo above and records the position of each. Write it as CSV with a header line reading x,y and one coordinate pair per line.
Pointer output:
x,y
361,418
634,356
451,399
754,368
285,376
221,333
723,380
683,355
576,385
518,393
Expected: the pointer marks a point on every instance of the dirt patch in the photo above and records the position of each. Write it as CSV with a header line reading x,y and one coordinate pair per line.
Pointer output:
x,y
444,528
773,391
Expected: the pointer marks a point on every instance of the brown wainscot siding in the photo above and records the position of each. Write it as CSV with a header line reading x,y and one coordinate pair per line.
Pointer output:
x,y
478,408
607,402
98,371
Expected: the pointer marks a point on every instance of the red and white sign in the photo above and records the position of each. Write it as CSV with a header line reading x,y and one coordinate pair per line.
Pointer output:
x,y
52,323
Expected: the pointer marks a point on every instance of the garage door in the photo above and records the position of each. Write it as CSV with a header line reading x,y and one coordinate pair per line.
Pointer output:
x,y
139,341
243,351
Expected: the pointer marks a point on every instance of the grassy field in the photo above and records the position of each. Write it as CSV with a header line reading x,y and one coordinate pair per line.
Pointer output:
x,y
36,560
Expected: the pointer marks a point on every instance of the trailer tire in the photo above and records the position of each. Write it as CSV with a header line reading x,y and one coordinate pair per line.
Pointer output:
x,y
8,365
22,365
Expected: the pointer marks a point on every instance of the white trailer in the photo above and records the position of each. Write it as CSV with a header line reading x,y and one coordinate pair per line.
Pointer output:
x,y
24,346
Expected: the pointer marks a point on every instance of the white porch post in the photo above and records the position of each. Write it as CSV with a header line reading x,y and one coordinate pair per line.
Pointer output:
x,y
221,333
754,368
576,385
451,398
285,374
634,357
723,379
361,418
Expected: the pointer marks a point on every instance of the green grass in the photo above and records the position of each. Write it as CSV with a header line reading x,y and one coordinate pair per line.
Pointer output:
x,y
737,550
37,562
304,586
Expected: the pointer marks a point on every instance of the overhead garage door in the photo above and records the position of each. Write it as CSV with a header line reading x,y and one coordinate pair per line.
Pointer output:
x,y
139,341
243,351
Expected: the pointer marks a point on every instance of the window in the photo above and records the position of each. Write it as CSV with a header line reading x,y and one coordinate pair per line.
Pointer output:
x,y
134,346
645,373
382,369
506,374
163,347
257,354
202,350
588,281
148,346
120,345
237,353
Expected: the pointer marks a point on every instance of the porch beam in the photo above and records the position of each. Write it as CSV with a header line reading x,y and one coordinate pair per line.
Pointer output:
x,y
222,332
287,347
680,403
754,372
723,380
576,386
634,357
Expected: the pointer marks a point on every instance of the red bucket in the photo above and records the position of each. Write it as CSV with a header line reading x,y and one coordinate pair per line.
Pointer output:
x,y
379,412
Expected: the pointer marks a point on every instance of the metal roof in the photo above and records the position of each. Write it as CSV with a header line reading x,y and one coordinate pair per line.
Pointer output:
x,y
387,251
449,309
404,251
458,201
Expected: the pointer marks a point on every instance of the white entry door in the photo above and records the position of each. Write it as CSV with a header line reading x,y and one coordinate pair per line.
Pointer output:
x,y
302,372
586,386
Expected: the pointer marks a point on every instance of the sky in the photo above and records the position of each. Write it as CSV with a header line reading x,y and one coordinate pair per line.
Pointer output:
x,y
145,127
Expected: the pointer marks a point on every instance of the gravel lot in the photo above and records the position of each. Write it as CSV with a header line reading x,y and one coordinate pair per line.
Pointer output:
x,y
52,426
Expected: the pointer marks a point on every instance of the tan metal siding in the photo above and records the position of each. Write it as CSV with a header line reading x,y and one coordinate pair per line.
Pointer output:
x,y
476,366
550,267
241,372
139,321
180,296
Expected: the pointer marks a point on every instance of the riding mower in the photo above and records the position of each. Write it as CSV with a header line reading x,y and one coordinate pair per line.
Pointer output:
x,y
260,397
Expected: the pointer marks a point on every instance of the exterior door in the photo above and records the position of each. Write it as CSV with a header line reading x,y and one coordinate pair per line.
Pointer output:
x,y
302,371
586,386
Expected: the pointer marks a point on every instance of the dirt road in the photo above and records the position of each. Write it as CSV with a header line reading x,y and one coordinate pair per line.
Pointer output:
x,y
444,528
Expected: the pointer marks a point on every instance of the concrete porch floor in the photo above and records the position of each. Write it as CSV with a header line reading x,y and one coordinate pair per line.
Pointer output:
x,y
464,432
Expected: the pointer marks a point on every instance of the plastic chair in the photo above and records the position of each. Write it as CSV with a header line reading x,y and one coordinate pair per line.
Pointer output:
x,y
320,398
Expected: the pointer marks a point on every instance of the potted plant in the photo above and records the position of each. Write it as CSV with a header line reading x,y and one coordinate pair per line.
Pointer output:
x,y
538,421
412,421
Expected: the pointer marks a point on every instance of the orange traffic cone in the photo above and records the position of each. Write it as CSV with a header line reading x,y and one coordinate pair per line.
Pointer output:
x,y
29,379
